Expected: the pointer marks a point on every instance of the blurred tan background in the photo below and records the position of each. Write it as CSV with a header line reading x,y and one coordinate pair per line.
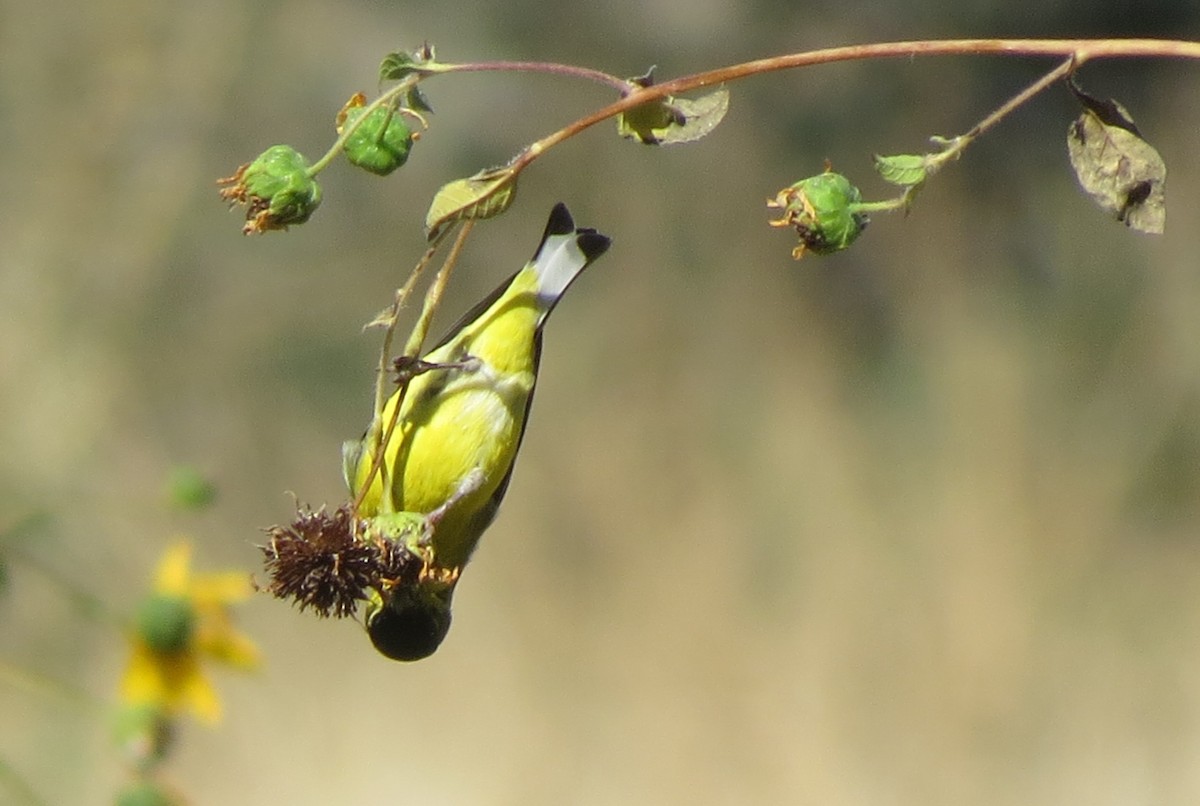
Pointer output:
x,y
917,524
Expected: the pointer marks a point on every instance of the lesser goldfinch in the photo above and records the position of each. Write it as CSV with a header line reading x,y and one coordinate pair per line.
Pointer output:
x,y
451,453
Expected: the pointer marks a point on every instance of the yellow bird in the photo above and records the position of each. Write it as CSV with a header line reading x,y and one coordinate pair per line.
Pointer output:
x,y
451,454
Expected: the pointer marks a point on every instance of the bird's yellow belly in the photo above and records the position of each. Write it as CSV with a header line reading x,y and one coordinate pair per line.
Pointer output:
x,y
455,442
470,432
458,431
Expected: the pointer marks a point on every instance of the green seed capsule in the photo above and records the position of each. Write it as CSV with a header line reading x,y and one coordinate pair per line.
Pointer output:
x,y
276,189
824,211
166,623
381,143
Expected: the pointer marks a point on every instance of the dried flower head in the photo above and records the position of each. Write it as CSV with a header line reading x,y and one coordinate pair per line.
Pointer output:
x,y
329,561
318,561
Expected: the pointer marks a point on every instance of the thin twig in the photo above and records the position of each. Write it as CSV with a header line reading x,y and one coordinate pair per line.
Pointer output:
x,y
433,296
962,141
401,299
1080,50
382,436
599,76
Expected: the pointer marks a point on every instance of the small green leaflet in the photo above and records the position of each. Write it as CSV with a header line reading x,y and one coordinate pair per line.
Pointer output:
x,y
396,66
1122,173
905,170
486,194
399,65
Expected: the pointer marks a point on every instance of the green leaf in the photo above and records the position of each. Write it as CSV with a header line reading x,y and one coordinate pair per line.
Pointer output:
x,y
701,115
905,170
396,66
666,121
486,194
1122,173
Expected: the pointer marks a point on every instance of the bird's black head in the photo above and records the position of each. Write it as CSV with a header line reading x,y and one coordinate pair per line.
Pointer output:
x,y
409,628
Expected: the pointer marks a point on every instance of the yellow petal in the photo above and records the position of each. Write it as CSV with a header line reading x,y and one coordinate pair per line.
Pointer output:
x,y
172,574
143,681
230,647
197,695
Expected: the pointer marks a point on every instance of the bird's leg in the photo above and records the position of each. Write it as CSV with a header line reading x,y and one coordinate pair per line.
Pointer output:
x,y
408,367
423,545
469,484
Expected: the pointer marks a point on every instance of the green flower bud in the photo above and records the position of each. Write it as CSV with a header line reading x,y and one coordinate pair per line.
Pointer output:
x,y
276,189
824,211
381,143
166,623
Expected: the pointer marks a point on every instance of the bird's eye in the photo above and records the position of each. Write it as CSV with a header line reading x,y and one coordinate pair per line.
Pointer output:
x,y
409,630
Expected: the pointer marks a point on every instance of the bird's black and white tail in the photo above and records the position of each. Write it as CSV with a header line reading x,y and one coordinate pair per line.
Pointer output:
x,y
565,251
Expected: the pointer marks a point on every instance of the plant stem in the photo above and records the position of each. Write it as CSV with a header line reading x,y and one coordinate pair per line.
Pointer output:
x,y
955,146
430,69
885,206
1078,51
587,73
1082,50
433,296
960,143
382,435
393,317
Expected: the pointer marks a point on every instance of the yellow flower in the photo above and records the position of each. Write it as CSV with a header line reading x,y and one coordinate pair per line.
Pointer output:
x,y
184,620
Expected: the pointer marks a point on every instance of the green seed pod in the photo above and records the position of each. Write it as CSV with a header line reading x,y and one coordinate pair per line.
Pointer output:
x,y
276,188
166,623
824,211
381,143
